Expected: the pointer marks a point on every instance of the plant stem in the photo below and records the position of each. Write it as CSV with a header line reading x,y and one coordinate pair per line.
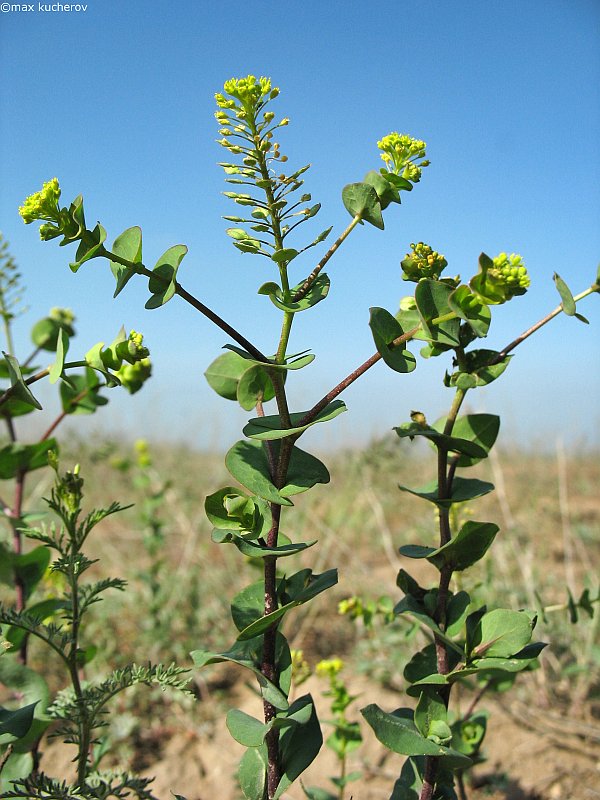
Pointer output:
x,y
445,477
193,301
313,275
349,379
526,334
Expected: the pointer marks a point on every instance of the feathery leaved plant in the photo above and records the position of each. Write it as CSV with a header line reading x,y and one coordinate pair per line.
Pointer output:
x,y
80,382
444,313
78,712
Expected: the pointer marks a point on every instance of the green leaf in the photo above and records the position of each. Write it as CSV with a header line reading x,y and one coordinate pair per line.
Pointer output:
x,y
17,457
81,395
32,690
128,245
314,586
468,734
89,246
242,656
386,191
501,633
297,361
470,308
270,427
254,386
481,429
299,744
400,735
284,256
411,605
315,793
62,346
360,199
256,550
568,303
30,568
424,663
44,333
248,605
245,729
21,391
385,329
304,471
431,718
432,298
16,723
462,489
318,291
453,444
478,370
468,546
230,509
224,374
248,463
252,773
162,284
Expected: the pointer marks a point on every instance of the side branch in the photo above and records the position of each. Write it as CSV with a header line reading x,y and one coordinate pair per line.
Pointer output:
x,y
313,275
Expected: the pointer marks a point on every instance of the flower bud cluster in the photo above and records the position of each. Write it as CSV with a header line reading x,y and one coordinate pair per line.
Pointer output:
x,y
64,316
248,91
403,155
329,667
510,272
133,376
70,490
133,350
500,279
422,262
301,670
42,204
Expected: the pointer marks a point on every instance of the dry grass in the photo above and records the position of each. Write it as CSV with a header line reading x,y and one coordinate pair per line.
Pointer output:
x,y
549,512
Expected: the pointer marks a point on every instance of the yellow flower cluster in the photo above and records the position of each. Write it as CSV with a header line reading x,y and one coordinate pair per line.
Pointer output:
x,y
248,91
511,272
42,204
401,152
329,667
422,262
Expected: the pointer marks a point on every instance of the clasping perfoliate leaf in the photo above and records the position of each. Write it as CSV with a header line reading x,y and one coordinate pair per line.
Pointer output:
x,y
270,427
162,284
128,245
20,391
385,329
361,200
88,249
432,299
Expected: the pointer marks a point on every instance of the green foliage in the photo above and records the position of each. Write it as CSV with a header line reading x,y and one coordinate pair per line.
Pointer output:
x,y
78,710
468,640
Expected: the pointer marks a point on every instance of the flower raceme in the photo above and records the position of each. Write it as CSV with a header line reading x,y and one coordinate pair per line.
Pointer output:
x,y
500,279
133,376
401,154
42,204
422,262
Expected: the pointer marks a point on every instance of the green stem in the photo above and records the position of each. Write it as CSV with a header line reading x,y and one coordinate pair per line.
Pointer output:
x,y
82,723
313,275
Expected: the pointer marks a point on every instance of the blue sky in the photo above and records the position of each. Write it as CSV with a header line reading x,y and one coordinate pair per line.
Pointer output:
x,y
117,102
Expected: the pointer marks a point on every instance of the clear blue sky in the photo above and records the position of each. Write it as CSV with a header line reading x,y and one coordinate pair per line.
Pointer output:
x,y
117,102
